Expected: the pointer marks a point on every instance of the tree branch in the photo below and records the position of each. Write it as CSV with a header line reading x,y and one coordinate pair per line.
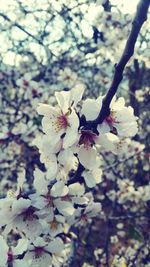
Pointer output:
x,y
140,17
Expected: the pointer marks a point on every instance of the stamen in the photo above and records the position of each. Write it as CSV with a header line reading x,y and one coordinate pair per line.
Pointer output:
x,y
87,138
10,257
109,119
60,122
38,251
28,214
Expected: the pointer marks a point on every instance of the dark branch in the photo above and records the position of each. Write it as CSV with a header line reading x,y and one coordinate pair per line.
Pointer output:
x,y
140,17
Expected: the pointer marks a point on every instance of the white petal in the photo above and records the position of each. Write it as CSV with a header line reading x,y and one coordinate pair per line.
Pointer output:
x,y
3,252
70,139
76,189
55,246
87,157
80,200
63,98
64,155
93,209
21,178
89,179
64,207
103,128
73,120
39,242
40,184
76,94
20,205
117,104
44,109
51,165
90,109
51,128
21,246
20,263
59,189
43,260
97,174
108,141
127,129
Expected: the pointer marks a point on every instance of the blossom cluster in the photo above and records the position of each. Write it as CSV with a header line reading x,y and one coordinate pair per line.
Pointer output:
x,y
70,150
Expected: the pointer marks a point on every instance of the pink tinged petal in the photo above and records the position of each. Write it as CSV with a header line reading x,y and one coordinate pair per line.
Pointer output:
x,y
87,157
72,130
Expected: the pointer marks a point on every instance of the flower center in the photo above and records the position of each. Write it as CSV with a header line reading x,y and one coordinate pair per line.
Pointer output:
x,y
109,119
66,198
62,121
84,217
10,257
87,138
49,201
25,83
38,252
54,225
29,214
